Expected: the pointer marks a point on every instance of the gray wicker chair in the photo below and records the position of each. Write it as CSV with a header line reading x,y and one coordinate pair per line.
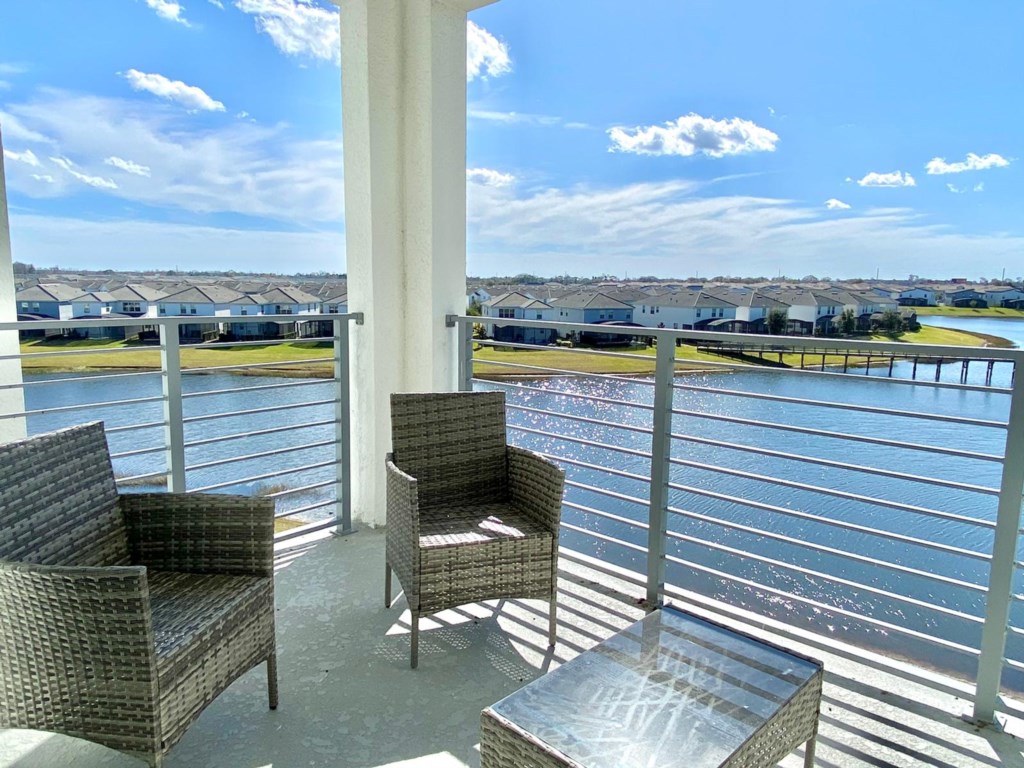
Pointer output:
x,y
122,617
469,518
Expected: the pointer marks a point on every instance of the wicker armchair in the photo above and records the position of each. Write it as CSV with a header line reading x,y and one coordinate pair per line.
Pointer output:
x,y
469,518
122,617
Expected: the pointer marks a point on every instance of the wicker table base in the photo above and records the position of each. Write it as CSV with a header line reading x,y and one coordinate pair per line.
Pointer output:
x,y
670,690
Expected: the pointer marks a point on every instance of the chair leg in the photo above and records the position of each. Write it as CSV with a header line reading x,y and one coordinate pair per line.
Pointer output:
x,y
415,642
272,679
552,621
387,584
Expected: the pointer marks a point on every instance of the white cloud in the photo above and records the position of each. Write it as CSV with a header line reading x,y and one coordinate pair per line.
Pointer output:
x,y
673,228
938,165
93,181
955,189
515,118
168,9
242,115
296,27
489,177
894,179
979,187
45,178
189,96
28,157
13,128
128,166
127,244
692,134
217,3
486,56
238,167
836,205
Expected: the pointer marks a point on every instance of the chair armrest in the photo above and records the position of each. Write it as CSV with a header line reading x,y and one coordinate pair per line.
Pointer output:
x,y
402,500
77,653
535,486
200,532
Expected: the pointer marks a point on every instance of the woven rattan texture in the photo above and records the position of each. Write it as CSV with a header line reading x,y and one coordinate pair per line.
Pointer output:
x,y
129,656
490,530
58,501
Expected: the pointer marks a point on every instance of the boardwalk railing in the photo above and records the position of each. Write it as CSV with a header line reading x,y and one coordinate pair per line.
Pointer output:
x,y
276,426
859,510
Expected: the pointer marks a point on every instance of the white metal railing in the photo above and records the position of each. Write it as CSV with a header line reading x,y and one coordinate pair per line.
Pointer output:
x,y
795,492
287,439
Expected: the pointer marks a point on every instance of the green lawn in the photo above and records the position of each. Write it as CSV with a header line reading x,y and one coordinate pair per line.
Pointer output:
x,y
969,312
641,362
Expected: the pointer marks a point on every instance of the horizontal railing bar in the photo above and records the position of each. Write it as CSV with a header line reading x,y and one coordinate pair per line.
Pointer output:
x,y
263,342
259,432
265,476
133,427
836,493
138,452
305,530
668,335
135,478
258,455
77,352
825,607
877,410
303,510
859,586
606,515
582,441
570,350
246,366
839,435
822,520
300,489
841,553
559,393
596,467
81,407
862,376
605,492
78,379
569,372
168,320
840,465
252,411
1013,663
257,388
603,537
581,419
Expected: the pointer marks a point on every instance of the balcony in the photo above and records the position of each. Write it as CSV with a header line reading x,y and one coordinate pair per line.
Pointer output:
x,y
813,551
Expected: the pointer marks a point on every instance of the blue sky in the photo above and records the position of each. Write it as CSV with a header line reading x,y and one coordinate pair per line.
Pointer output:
x,y
661,137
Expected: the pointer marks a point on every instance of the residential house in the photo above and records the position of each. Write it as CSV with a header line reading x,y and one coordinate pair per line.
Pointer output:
x,y
1004,296
207,301
752,309
135,300
43,300
684,310
967,297
918,296
518,306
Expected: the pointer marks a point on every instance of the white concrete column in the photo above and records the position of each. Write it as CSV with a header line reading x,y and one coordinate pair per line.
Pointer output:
x,y
11,400
403,78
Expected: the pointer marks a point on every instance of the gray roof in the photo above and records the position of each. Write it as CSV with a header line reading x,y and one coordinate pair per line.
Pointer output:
x,y
588,300
287,295
688,299
515,299
208,294
136,292
49,292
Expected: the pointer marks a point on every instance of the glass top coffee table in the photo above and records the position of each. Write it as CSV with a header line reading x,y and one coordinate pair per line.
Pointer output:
x,y
670,690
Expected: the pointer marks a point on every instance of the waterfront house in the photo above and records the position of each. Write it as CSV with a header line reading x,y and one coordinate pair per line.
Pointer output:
x,y
591,307
135,300
45,299
1003,296
918,296
967,297
207,301
752,308
518,306
684,310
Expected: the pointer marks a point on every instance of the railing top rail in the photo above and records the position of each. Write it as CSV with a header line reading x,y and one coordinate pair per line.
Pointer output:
x,y
796,343
171,320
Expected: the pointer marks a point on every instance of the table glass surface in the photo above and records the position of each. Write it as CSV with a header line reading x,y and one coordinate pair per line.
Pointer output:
x,y
669,687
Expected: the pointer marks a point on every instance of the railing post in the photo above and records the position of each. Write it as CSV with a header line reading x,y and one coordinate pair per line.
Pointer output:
x,y
661,448
465,351
343,426
174,426
1004,552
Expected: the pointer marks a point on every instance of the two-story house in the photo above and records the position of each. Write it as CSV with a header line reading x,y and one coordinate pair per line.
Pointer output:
x,y
683,310
518,306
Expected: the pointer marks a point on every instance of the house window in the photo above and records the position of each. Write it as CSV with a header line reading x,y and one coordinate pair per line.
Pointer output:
x,y
507,312
183,310
35,305
244,311
540,316
131,306
698,311
332,309
192,310
675,326
602,316
87,309
163,310
24,305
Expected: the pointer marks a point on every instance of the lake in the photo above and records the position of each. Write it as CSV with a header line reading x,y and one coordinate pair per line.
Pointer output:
x,y
736,535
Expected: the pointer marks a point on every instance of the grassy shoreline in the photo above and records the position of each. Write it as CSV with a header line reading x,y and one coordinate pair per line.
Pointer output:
x,y
970,312
296,359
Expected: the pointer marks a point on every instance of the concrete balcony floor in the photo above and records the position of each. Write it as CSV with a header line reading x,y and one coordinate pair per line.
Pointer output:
x,y
348,697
